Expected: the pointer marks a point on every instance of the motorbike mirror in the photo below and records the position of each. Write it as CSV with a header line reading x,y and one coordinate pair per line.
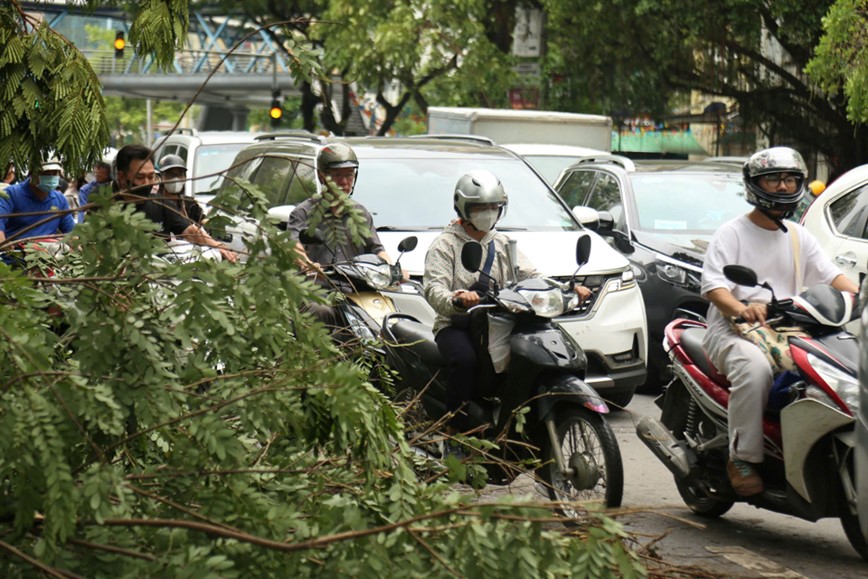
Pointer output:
x,y
408,244
583,250
740,275
309,236
471,256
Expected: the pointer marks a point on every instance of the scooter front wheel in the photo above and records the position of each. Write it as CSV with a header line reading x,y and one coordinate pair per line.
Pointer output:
x,y
591,457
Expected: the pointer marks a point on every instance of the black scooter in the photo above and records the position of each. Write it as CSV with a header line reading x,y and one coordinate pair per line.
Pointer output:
x,y
540,407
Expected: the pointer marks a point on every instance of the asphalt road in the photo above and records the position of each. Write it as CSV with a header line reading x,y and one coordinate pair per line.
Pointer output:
x,y
745,542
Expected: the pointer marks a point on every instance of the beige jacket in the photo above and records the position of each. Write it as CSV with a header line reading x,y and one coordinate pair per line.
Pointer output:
x,y
444,273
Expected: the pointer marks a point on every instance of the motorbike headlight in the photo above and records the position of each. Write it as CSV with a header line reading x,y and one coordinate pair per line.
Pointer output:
x,y
545,303
844,385
377,276
360,329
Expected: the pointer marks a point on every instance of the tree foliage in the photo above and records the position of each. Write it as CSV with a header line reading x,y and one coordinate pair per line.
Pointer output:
x,y
840,65
753,53
192,420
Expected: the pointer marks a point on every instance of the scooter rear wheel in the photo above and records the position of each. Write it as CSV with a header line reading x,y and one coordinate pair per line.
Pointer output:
x,y
591,452
693,496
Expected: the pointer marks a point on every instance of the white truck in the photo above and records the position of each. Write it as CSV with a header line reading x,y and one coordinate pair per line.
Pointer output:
x,y
523,126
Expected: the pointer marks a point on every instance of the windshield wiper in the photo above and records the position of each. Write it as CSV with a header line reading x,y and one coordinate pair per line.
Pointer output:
x,y
512,228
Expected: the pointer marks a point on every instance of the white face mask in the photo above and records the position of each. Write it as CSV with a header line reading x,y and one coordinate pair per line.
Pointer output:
x,y
174,187
484,219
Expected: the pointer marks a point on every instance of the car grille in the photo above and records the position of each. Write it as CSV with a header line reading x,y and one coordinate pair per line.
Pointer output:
x,y
595,283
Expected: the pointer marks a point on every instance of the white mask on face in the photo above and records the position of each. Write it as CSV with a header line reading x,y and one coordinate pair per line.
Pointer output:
x,y
174,187
484,219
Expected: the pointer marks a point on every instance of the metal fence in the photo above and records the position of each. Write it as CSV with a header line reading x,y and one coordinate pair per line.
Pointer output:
x,y
186,62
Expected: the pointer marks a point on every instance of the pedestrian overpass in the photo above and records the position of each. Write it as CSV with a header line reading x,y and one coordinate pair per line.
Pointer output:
x,y
227,83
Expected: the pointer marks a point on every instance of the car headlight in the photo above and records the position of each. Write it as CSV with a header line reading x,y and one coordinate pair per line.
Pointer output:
x,y
844,385
671,273
626,281
377,276
545,303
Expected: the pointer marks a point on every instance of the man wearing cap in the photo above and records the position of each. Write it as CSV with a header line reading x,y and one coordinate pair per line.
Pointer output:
x,y
38,195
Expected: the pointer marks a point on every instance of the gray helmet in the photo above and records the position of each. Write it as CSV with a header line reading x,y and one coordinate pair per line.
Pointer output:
x,y
479,187
772,161
337,156
171,162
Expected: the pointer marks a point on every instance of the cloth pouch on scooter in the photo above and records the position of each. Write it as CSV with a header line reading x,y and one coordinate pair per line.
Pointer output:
x,y
499,332
774,343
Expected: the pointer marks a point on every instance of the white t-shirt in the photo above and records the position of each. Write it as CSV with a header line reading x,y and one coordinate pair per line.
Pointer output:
x,y
770,255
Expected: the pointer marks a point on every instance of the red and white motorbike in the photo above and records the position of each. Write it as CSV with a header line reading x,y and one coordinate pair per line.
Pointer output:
x,y
808,424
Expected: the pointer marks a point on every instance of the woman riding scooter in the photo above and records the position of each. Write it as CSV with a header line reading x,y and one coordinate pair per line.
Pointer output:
x,y
480,202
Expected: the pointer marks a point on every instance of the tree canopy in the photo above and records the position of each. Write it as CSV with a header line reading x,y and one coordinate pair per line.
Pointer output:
x,y
635,55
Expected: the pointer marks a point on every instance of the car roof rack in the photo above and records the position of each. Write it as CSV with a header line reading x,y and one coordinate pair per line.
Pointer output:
x,y
458,137
619,160
290,134
181,131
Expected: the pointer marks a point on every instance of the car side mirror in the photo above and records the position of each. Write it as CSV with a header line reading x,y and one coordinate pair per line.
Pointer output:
x,y
279,215
607,223
471,256
587,216
622,242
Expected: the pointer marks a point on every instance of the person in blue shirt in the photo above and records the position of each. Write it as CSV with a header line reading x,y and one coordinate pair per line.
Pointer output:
x,y
102,173
36,194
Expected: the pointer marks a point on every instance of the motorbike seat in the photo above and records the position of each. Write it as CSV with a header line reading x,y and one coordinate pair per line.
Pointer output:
x,y
691,341
419,339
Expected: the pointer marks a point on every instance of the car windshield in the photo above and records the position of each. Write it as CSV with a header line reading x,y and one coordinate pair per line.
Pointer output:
x,y
212,159
417,193
696,202
550,166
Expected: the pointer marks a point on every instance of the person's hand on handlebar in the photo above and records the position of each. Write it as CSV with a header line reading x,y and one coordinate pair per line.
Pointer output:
x,y
754,313
466,298
312,269
583,292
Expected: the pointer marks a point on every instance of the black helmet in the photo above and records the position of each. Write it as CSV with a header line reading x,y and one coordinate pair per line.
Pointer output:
x,y
171,162
337,156
771,161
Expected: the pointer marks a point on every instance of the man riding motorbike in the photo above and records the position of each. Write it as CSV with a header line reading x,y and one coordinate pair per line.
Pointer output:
x,y
480,202
337,165
789,258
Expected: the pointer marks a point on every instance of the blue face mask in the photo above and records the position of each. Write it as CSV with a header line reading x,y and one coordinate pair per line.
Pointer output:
x,y
48,183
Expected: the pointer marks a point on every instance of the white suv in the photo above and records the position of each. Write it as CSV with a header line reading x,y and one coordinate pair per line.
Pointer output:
x,y
208,154
407,185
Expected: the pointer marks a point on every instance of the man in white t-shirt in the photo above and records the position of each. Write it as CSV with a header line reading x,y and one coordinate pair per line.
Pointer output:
x,y
775,181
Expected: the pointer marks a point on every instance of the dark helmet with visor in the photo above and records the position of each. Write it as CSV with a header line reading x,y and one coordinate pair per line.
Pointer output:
x,y
171,162
337,156
775,161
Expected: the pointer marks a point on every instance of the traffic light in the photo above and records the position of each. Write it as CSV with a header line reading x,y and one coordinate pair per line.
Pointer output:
x,y
276,111
119,44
